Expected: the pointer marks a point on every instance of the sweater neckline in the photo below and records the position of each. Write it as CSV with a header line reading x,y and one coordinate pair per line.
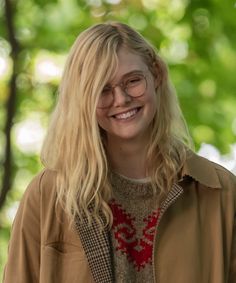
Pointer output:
x,y
134,180
131,188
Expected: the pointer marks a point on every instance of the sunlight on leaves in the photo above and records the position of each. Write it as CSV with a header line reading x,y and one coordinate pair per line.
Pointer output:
x,y
138,21
3,66
208,88
48,67
29,135
113,2
212,153
203,133
174,51
234,126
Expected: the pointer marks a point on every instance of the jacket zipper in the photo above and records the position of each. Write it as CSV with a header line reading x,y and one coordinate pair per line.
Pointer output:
x,y
172,196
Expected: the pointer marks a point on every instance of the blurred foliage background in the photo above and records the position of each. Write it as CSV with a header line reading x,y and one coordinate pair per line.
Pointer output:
x,y
197,39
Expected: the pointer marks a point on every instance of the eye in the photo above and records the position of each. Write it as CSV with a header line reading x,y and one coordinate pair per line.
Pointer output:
x,y
106,91
133,81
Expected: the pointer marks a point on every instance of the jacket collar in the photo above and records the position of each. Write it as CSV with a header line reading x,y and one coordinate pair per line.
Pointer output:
x,y
201,170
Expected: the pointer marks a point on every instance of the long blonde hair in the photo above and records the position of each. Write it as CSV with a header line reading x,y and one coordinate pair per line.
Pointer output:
x,y
74,145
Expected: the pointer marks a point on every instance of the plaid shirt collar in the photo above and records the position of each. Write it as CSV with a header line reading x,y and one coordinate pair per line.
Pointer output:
x,y
97,247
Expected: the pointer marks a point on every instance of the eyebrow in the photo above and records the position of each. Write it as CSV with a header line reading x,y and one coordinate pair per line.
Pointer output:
x,y
133,72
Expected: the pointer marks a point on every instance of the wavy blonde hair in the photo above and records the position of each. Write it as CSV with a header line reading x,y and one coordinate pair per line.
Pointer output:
x,y
74,145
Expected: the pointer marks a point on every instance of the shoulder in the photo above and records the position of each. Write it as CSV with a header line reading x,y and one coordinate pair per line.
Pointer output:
x,y
208,173
44,179
42,186
227,180
222,172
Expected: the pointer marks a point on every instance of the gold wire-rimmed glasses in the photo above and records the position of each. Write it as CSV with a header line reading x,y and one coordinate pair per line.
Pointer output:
x,y
133,85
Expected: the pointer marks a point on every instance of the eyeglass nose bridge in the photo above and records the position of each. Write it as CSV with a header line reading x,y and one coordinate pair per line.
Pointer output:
x,y
121,85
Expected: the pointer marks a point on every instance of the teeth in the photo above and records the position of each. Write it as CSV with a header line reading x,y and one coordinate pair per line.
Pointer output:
x,y
127,114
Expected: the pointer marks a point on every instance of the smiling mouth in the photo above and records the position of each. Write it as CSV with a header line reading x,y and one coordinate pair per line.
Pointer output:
x,y
127,115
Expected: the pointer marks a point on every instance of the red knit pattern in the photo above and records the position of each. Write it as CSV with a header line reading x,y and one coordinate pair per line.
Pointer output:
x,y
137,250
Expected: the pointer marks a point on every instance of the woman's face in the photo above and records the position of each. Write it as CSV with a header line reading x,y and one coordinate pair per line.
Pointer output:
x,y
127,117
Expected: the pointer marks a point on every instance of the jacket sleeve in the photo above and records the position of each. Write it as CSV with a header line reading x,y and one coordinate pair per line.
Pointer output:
x,y
232,271
23,262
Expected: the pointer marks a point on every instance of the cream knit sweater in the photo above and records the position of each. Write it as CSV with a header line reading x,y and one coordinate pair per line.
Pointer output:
x,y
135,212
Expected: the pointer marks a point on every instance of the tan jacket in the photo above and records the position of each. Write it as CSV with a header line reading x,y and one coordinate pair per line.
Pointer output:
x,y
195,240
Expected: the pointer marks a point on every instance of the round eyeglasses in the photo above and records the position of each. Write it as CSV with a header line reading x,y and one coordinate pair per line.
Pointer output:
x,y
134,85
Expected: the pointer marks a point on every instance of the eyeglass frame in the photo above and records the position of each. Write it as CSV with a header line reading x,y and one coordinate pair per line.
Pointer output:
x,y
121,85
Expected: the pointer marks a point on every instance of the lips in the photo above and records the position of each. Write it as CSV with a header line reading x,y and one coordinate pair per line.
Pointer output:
x,y
127,114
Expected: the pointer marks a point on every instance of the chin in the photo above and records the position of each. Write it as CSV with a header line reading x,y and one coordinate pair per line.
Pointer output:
x,y
128,135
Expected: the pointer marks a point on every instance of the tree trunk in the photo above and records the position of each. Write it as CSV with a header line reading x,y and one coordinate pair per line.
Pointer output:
x,y
10,103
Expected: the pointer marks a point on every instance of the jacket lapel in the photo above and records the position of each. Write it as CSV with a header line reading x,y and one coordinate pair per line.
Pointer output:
x,y
97,247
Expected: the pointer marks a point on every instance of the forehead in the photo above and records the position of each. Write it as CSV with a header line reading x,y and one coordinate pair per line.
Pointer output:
x,y
128,61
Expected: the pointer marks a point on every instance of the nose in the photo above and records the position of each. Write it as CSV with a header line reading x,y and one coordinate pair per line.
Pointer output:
x,y
121,98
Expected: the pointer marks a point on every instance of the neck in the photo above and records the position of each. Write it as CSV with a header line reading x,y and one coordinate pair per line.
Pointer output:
x,y
127,157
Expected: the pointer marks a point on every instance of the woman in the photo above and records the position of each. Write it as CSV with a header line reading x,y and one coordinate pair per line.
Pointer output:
x,y
122,197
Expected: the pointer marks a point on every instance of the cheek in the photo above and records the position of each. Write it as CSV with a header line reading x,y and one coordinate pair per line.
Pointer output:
x,y
151,103
99,117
